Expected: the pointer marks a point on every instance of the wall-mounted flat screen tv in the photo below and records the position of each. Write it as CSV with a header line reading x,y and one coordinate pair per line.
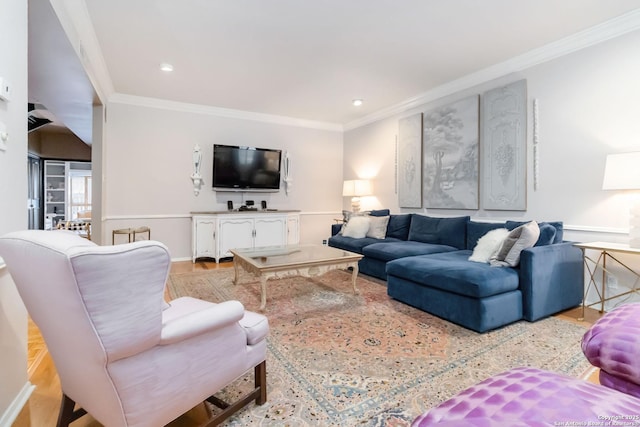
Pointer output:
x,y
237,168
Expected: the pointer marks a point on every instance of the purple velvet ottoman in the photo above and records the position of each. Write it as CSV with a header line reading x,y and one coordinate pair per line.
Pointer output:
x,y
613,345
532,397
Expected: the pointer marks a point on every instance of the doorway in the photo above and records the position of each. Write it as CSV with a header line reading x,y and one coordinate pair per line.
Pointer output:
x,y
34,193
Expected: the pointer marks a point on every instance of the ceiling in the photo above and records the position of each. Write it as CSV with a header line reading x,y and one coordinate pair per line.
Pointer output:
x,y
310,59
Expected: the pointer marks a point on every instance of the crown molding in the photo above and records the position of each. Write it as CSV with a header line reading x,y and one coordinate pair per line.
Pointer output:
x,y
164,104
613,28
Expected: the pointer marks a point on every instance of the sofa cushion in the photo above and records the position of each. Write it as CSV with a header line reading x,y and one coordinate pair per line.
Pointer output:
x,y
377,227
452,272
355,245
475,230
398,226
517,240
440,231
547,234
558,225
378,212
346,215
394,250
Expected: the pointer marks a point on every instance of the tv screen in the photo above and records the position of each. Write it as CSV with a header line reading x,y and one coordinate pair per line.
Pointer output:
x,y
246,168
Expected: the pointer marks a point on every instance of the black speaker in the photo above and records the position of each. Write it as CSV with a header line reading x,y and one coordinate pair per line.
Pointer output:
x,y
264,204
230,205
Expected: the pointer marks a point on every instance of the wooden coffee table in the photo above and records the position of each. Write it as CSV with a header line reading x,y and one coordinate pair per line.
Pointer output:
x,y
292,260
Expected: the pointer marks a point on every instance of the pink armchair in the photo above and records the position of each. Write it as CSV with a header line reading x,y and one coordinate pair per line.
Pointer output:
x,y
124,355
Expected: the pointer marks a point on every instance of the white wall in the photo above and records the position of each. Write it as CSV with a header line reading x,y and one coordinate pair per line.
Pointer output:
x,y
588,107
14,386
148,161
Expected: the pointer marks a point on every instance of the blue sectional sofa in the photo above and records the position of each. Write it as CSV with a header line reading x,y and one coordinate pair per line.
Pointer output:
x,y
425,263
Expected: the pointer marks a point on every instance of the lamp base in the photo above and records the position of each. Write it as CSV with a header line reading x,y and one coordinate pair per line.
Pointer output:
x,y
355,204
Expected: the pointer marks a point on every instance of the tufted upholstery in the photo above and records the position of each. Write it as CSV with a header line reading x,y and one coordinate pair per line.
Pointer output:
x,y
531,397
613,345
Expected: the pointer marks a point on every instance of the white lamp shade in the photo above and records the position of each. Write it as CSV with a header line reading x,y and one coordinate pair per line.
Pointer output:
x,y
622,172
357,188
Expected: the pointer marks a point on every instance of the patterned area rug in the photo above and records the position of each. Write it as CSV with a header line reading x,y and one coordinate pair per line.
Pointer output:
x,y
339,359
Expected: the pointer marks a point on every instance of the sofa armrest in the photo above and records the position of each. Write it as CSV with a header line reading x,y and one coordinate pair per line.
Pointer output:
x,y
551,279
335,229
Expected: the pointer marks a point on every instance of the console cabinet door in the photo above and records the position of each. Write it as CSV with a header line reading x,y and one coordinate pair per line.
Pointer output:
x,y
234,233
204,237
270,231
293,229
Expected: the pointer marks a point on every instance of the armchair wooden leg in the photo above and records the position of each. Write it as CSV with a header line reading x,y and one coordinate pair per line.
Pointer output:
x,y
261,382
67,414
259,394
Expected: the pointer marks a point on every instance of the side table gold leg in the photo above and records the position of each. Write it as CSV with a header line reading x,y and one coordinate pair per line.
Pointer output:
x,y
354,276
263,292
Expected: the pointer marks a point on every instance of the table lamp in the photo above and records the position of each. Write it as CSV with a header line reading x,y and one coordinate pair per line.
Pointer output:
x,y
622,172
355,189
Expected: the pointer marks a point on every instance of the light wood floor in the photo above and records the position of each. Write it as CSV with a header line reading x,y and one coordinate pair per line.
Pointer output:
x,y
42,408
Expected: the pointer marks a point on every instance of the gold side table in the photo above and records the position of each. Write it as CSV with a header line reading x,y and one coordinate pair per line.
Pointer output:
x,y
131,232
606,251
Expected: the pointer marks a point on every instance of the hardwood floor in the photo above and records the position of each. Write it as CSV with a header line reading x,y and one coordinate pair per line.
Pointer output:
x,y
42,408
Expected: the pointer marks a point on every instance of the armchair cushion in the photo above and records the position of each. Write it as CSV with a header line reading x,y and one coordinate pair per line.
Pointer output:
x,y
189,317
256,326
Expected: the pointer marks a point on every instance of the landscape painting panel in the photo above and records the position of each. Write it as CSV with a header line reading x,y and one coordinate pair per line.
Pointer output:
x,y
451,155
410,162
504,147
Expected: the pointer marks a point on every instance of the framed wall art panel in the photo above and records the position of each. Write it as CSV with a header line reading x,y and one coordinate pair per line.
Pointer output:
x,y
410,161
450,176
504,147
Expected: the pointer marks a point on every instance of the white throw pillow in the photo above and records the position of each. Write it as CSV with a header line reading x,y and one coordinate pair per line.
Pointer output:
x,y
489,245
346,216
378,226
357,227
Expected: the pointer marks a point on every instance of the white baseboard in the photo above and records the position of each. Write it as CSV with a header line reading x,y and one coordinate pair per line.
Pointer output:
x,y
16,406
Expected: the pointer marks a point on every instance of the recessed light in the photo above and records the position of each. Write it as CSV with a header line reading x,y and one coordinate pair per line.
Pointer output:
x,y
357,102
166,67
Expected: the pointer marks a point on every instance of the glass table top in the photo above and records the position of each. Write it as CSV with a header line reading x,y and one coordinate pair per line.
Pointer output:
x,y
272,256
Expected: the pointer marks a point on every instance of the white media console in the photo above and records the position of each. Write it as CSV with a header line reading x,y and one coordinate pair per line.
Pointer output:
x,y
213,234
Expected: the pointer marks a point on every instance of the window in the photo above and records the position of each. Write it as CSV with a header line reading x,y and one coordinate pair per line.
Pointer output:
x,y
80,193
